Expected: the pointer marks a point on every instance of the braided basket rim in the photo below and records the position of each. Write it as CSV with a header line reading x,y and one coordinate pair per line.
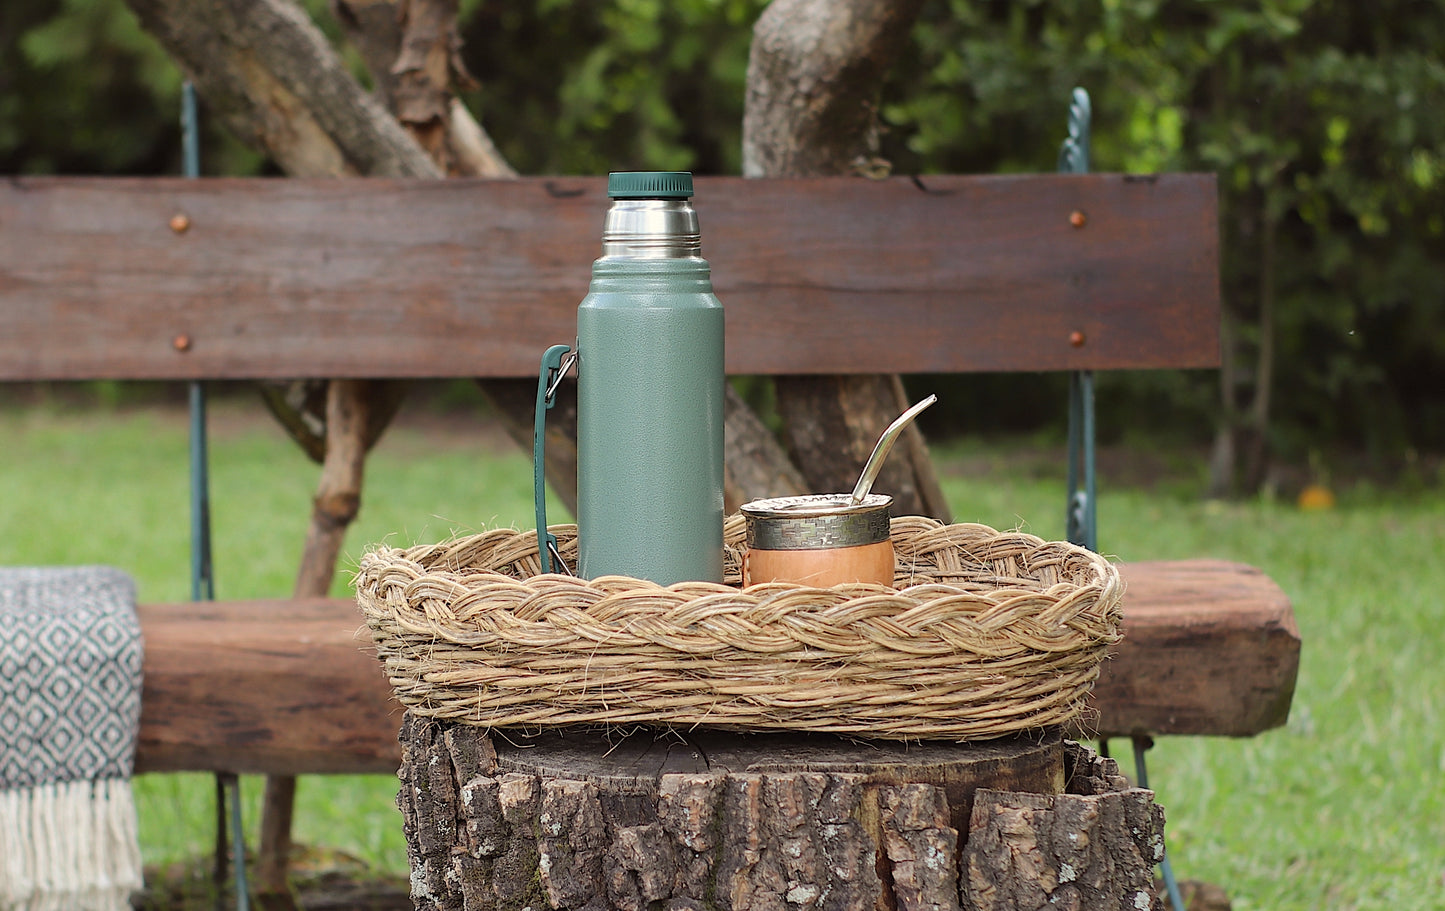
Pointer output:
x,y
984,634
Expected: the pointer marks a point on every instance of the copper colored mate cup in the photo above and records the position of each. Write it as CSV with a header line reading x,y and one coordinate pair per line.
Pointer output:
x,y
818,540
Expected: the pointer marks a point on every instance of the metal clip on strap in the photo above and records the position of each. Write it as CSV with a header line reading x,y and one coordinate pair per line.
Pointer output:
x,y
548,379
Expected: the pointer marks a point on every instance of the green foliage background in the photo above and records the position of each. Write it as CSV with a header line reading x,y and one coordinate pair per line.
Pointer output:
x,y
1324,120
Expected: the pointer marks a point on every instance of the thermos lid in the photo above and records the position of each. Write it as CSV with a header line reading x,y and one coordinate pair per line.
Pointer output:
x,y
649,185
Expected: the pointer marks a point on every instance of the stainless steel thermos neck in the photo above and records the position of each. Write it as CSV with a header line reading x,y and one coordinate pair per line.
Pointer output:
x,y
650,392
646,229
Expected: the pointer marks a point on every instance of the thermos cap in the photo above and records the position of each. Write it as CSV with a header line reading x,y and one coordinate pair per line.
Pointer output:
x,y
649,185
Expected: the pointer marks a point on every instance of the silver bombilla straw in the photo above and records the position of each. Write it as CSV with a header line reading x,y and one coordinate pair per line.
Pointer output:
x,y
885,443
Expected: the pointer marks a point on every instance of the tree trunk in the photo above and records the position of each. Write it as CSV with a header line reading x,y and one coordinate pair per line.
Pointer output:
x,y
755,465
830,425
814,75
714,819
1256,464
515,402
1239,462
299,406
1222,457
349,404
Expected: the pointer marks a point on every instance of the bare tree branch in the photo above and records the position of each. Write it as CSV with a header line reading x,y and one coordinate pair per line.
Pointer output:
x,y
413,52
269,74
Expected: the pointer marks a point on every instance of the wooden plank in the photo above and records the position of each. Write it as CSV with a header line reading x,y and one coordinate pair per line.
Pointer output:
x,y
278,687
276,278
1211,647
291,687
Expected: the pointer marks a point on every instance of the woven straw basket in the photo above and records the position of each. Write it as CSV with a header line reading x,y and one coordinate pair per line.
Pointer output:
x,y
986,634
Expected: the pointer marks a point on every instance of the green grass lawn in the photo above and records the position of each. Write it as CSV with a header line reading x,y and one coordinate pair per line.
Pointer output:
x,y
1344,808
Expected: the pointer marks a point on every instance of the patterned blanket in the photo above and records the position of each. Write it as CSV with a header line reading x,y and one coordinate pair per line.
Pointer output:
x,y
70,680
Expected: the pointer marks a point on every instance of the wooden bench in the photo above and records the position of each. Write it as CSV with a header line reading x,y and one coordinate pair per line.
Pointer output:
x,y
254,279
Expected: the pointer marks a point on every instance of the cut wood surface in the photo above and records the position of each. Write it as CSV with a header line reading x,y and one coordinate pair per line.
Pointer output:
x,y
155,278
288,687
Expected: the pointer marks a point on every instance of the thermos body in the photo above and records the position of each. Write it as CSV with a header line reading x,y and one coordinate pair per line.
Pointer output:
x,y
650,425
650,392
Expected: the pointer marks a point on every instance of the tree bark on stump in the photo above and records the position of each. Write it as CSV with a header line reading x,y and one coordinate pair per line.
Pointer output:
x,y
746,822
1092,848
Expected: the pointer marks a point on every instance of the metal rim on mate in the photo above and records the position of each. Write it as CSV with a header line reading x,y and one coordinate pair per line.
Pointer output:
x,y
816,521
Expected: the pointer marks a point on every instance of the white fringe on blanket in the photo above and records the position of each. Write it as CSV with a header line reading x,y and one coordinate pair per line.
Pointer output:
x,y
69,846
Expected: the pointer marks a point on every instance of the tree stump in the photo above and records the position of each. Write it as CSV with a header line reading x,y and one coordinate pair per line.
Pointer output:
x,y
669,821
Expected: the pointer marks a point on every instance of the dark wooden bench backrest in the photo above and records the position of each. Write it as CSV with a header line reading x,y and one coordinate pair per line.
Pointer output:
x,y
283,278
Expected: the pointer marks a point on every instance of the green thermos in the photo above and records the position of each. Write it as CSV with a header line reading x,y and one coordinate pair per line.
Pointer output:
x,y
649,393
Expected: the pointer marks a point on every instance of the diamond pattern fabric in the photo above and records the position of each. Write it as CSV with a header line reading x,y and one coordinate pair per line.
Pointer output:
x,y
70,674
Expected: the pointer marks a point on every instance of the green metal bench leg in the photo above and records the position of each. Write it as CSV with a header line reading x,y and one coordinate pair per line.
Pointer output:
x,y
228,784
1082,519
1081,516
1141,773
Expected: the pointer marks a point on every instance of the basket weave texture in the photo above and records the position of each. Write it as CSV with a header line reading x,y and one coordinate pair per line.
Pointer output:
x,y
985,634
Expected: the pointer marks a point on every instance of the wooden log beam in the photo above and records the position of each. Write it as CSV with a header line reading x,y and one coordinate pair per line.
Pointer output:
x,y
279,687
1210,647
290,686
153,278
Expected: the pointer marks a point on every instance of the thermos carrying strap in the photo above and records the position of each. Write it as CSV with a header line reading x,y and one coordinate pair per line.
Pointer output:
x,y
548,379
